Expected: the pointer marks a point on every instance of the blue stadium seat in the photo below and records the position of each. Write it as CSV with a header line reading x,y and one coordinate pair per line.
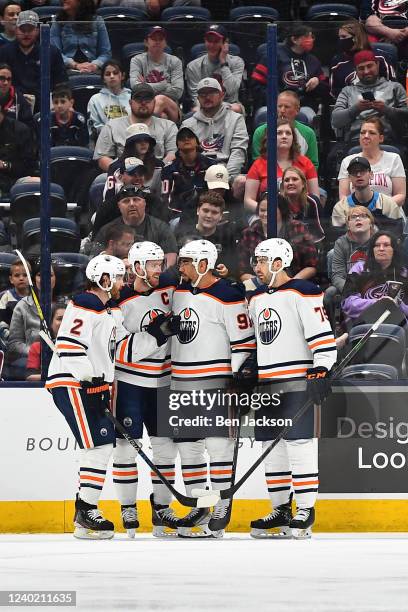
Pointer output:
x,y
64,235
254,13
84,86
387,50
70,269
390,148
387,345
3,235
188,13
199,50
96,192
68,165
369,371
46,13
260,116
121,13
331,12
25,201
6,259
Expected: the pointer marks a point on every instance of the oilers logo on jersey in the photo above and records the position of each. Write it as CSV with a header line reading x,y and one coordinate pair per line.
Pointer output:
x,y
269,325
149,316
189,325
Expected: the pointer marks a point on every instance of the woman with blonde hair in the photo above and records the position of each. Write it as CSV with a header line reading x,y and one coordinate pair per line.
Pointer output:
x,y
303,206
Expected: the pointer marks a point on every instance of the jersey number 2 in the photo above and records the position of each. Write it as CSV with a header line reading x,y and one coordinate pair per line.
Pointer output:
x,y
75,329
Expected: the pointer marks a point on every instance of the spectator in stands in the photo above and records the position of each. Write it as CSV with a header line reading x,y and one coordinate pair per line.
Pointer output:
x,y
9,11
14,103
81,36
208,225
184,179
288,108
298,69
17,155
112,138
367,281
34,352
217,179
388,174
19,289
352,38
371,96
163,72
222,133
385,210
219,64
23,57
303,206
131,202
68,127
287,156
119,239
304,262
352,247
25,324
375,26
112,101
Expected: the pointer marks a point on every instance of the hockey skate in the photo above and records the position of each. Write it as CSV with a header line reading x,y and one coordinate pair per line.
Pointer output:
x,y
89,522
129,519
220,518
196,519
278,520
163,519
302,522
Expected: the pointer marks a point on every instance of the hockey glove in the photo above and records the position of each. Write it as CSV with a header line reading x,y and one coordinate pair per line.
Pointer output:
x,y
318,384
245,380
163,327
97,393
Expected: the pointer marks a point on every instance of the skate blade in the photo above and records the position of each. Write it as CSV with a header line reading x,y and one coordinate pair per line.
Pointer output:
x,y
160,532
131,533
188,533
82,533
302,534
218,534
281,533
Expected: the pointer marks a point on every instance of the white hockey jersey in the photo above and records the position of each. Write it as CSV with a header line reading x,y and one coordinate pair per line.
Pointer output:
x,y
292,330
138,310
87,340
215,338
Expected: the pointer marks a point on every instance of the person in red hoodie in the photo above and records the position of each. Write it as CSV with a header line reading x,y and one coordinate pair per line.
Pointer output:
x,y
14,103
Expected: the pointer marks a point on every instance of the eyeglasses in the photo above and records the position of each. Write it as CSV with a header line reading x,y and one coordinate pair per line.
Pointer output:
x,y
358,216
4,79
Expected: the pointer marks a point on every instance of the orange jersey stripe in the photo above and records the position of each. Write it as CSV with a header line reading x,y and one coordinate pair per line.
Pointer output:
x,y
204,370
167,474
80,417
281,481
138,366
320,342
133,473
305,482
188,474
63,384
123,349
220,471
283,372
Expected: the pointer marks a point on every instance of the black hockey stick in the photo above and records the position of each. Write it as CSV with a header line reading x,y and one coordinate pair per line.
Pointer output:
x,y
1,364
44,332
204,500
228,493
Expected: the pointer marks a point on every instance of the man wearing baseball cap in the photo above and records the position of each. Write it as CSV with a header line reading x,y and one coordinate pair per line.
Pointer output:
x,y
379,204
23,57
222,132
131,205
112,138
371,96
217,63
183,180
162,71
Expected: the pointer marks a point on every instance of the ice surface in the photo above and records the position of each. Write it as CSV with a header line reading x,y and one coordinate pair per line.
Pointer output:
x,y
331,572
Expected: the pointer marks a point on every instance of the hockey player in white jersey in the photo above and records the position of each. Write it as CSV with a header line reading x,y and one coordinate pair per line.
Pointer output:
x,y
137,382
295,351
79,376
215,338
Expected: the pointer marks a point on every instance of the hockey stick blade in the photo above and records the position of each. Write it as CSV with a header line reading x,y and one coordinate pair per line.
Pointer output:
x,y
228,493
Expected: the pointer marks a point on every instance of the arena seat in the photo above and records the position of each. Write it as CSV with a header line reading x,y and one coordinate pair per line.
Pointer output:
x,y
96,192
46,13
390,148
68,165
387,345
70,271
331,12
3,235
254,13
188,13
388,50
121,13
84,86
6,259
260,116
370,371
65,236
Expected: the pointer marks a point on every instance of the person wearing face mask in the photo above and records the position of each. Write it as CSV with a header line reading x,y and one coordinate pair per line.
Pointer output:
x,y
352,38
299,70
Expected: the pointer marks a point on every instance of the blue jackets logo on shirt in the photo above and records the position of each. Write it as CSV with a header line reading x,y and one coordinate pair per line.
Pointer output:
x,y
269,325
189,325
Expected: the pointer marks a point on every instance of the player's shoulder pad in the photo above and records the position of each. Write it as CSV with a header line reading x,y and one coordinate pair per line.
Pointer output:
x,y
226,291
167,280
88,301
304,287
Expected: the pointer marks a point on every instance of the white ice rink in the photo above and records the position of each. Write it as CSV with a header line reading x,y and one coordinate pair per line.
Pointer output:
x,y
331,572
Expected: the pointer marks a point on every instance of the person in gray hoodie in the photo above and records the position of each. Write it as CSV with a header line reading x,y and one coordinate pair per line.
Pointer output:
x,y
111,102
371,96
222,133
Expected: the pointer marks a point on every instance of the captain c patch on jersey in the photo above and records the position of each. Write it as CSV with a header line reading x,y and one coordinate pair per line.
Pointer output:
x,y
189,325
269,325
